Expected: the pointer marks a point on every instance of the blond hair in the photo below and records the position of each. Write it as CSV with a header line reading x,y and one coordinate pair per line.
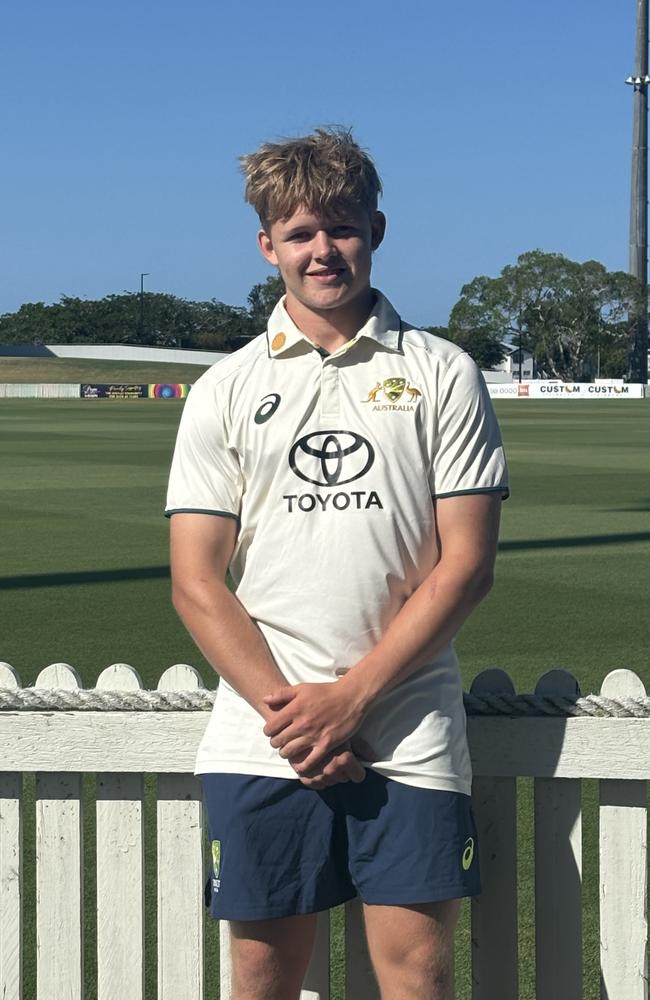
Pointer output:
x,y
321,172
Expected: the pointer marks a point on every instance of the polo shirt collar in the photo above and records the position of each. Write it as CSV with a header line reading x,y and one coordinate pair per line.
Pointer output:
x,y
383,325
282,333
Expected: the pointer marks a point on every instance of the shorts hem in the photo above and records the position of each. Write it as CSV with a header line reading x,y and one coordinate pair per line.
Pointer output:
x,y
402,898
458,786
276,912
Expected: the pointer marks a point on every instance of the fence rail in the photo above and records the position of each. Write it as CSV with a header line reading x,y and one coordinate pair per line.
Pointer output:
x,y
121,745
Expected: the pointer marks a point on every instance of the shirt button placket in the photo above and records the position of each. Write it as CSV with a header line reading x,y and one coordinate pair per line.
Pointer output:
x,y
329,389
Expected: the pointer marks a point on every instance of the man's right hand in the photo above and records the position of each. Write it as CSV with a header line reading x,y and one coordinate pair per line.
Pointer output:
x,y
342,765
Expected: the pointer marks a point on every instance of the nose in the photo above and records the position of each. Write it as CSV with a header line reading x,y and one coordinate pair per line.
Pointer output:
x,y
323,246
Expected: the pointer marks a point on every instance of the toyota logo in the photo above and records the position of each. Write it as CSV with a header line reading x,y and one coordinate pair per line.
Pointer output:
x,y
331,458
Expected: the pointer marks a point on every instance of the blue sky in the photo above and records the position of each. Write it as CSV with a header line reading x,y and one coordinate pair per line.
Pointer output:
x,y
496,127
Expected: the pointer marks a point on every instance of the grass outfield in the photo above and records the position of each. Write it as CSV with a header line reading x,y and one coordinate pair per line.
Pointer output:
x,y
85,544
83,574
89,370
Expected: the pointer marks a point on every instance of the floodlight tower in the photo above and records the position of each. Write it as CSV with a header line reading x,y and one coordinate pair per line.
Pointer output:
x,y
639,195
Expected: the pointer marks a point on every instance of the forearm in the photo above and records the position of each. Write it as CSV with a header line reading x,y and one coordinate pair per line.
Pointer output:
x,y
229,640
426,623
320,716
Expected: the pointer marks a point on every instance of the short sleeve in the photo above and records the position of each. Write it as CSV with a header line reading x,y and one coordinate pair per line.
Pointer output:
x,y
468,453
205,476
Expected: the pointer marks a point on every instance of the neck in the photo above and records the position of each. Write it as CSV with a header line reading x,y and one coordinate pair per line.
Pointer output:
x,y
331,328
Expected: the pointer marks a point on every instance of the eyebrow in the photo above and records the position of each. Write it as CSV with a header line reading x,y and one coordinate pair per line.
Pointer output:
x,y
328,224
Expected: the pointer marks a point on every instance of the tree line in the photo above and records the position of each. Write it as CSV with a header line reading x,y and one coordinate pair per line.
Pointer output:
x,y
574,318
155,319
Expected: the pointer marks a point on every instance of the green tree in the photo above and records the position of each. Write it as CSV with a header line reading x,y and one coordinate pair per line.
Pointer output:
x,y
566,313
476,324
33,323
220,327
262,299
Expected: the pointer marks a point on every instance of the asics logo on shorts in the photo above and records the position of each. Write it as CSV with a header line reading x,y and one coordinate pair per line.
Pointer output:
x,y
468,854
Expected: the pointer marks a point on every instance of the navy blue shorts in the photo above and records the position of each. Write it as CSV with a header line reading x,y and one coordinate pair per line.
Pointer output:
x,y
279,849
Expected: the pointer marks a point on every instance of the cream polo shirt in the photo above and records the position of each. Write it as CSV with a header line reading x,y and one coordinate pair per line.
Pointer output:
x,y
329,465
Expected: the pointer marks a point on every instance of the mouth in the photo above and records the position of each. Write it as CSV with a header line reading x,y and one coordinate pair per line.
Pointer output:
x,y
326,275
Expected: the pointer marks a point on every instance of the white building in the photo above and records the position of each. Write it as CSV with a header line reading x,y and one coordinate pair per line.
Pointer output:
x,y
510,364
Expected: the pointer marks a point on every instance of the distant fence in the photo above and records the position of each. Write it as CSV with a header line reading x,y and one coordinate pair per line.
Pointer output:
x,y
119,731
39,390
541,389
95,390
178,390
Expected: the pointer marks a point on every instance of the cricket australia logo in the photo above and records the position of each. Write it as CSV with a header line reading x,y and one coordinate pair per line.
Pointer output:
x,y
216,865
331,458
392,389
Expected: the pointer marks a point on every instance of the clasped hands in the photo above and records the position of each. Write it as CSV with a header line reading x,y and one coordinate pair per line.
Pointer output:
x,y
313,727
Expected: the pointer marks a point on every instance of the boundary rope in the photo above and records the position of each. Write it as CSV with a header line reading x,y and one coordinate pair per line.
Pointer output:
x,y
513,705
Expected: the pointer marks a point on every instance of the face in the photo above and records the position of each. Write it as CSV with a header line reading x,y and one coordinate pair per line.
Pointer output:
x,y
324,260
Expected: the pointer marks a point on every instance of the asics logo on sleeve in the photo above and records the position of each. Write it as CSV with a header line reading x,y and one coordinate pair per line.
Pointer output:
x,y
269,405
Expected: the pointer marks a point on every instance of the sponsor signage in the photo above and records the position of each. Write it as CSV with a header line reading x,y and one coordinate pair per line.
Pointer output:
x,y
564,390
168,390
124,390
331,458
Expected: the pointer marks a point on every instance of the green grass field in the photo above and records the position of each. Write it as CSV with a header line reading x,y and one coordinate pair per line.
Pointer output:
x,y
84,370
85,544
84,577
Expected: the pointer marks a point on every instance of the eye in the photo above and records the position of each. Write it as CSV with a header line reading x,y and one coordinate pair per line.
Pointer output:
x,y
299,237
343,230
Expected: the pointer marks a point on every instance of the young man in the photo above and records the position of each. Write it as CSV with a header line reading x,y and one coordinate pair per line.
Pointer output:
x,y
347,469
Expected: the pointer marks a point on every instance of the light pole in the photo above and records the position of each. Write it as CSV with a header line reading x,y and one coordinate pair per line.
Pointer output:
x,y
639,196
143,275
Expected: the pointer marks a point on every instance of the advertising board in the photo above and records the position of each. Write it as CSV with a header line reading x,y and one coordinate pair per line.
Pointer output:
x,y
564,390
151,390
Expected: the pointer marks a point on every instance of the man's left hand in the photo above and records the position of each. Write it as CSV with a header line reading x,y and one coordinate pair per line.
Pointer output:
x,y
316,717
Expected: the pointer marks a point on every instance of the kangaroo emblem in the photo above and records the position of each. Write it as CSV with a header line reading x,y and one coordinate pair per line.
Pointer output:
x,y
372,395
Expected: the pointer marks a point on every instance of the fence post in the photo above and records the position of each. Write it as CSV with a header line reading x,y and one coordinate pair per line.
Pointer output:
x,y
360,979
558,870
316,984
623,872
120,865
11,870
180,870
59,869
494,913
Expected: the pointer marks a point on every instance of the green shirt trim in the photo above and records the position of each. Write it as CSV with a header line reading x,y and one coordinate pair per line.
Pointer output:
x,y
479,489
199,510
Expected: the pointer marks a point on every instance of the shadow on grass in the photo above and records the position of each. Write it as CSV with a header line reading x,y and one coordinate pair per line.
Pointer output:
x,y
160,572
572,542
83,576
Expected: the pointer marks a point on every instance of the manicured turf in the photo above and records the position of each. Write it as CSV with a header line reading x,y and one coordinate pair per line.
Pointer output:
x,y
574,568
88,370
85,543
84,581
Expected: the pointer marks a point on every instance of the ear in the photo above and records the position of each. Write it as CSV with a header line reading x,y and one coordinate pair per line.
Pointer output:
x,y
265,243
378,228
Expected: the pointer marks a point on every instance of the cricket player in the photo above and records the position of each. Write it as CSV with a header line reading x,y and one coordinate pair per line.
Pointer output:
x,y
347,469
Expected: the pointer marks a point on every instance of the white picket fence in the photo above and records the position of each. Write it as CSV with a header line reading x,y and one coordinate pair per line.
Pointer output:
x,y
122,744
